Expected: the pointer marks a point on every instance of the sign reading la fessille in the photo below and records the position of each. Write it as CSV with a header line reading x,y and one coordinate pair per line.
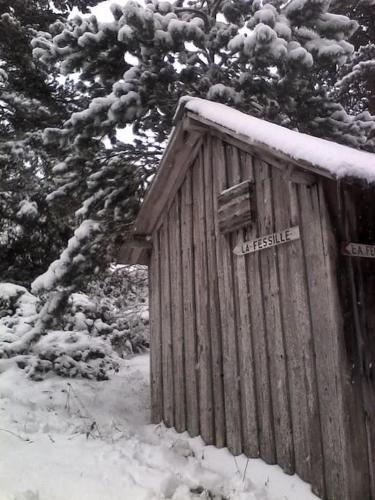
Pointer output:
x,y
268,241
358,250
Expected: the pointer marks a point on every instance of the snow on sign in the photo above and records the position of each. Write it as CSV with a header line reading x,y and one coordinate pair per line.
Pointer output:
x,y
358,250
268,241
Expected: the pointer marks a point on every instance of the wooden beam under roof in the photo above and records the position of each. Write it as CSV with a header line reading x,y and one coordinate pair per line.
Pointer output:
x,y
180,153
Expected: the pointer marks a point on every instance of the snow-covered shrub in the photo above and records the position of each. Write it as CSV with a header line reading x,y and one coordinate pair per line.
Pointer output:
x,y
18,308
15,300
123,298
115,307
108,320
72,354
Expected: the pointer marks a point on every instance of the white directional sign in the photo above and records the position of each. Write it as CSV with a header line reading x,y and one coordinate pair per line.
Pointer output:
x,y
270,240
358,250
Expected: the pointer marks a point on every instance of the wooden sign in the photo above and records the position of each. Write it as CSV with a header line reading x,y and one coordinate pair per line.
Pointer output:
x,y
358,250
268,241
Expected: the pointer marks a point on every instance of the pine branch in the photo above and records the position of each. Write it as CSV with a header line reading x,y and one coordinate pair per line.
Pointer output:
x,y
215,8
198,13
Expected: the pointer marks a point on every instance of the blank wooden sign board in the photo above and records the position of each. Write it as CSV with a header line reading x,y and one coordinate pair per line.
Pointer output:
x,y
262,327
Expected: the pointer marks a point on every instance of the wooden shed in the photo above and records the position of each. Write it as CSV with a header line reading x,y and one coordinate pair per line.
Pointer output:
x,y
261,247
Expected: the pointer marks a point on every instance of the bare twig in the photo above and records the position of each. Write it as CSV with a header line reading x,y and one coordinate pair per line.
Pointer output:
x,y
94,425
67,402
215,8
27,440
198,13
244,472
78,399
238,469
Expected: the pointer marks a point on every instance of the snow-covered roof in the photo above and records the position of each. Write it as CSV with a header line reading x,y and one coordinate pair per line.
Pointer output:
x,y
339,161
196,115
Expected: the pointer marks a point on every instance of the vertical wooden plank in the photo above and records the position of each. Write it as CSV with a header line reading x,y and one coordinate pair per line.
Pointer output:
x,y
213,290
244,342
274,323
369,398
201,292
266,435
303,391
177,318
227,312
354,460
304,325
167,353
190,341
357,467
355,223
326,330
155,335
365,227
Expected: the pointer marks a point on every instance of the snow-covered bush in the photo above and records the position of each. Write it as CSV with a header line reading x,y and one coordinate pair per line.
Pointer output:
x,y
15,300
108,320
123,298
115,306
18,308
71,354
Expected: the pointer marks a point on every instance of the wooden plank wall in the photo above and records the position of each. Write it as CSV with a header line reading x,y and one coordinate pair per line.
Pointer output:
x,y
356,221
248,351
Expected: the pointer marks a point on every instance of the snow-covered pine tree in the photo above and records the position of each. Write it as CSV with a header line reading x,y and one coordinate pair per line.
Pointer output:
x,y
356,84
32,234
270,58
265,57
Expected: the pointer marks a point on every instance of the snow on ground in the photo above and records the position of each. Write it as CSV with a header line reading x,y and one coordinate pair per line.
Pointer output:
x,y
71,439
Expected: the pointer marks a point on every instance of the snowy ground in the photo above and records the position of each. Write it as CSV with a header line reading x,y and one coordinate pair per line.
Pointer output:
x,y
85,440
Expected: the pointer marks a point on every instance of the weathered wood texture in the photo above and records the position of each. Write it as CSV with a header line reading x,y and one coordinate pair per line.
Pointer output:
x,y
213,290
354,451
206,412
356,223
227,311
250,442
166,328
325,325
188,294
234,207
177,313
253,350
296,315
262,382
273,321
155,338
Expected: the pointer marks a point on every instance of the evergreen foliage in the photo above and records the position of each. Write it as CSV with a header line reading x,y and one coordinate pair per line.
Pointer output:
x,y
356,86
31,99
105,321
267,58
275,59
